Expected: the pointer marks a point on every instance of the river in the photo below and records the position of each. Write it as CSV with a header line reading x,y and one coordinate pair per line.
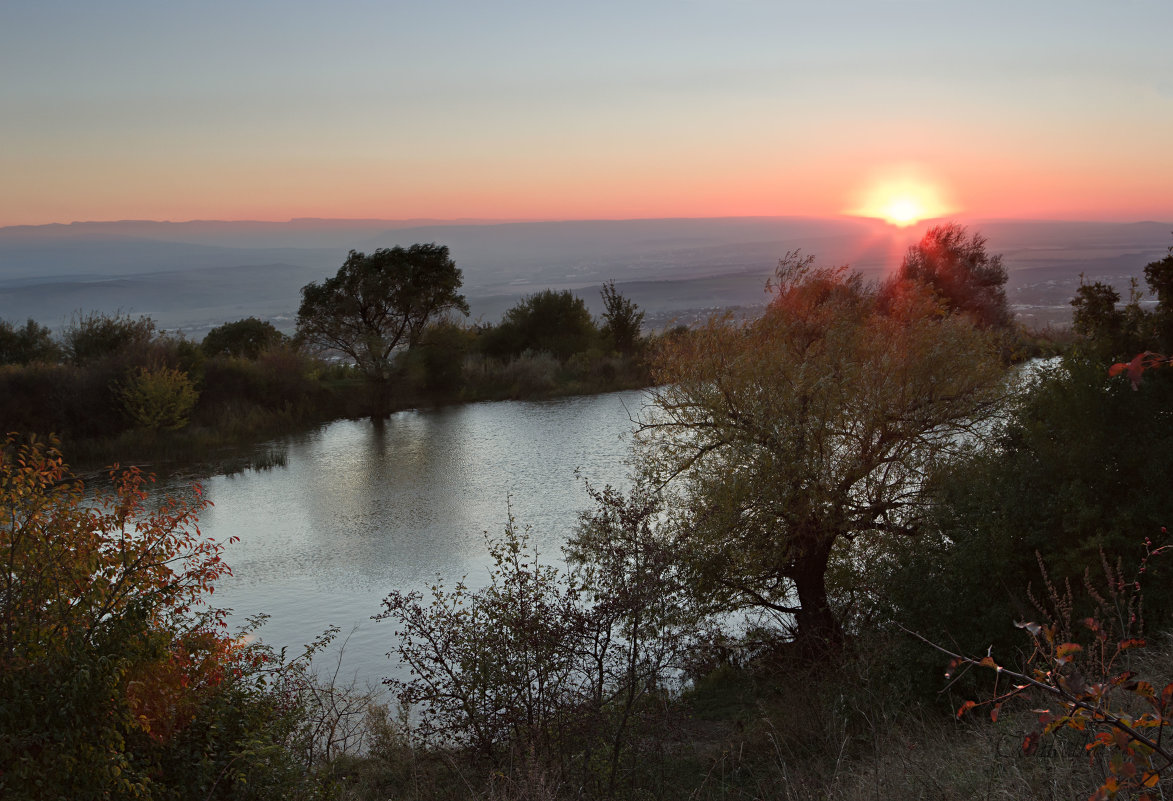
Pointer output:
x,y
360,508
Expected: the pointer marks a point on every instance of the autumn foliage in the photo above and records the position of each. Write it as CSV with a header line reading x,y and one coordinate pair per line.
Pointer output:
x,y
1136,366
115,680
1080,677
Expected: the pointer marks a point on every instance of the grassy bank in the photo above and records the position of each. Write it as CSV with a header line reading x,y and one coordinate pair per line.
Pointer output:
x,y
771,731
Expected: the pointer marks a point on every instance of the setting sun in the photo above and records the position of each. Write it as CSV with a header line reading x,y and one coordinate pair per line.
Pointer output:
x,y
903,211
903,196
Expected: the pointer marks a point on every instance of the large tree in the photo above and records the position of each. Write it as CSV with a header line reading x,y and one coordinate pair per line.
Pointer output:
x,y
380,302
792,435
957,267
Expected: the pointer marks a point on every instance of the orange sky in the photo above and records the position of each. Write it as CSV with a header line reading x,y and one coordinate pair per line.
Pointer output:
x,y
649,108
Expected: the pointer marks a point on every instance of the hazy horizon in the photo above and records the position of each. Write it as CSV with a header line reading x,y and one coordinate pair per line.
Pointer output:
x,y
194,275
961,218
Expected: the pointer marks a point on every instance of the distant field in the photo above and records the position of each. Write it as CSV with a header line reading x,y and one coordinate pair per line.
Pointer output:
x,y
192,276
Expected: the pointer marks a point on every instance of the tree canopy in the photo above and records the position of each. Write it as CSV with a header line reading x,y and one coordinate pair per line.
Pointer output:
x,y
1076,474
1095,314
806,429
959,270
1159,277
550,321
247,338
377,303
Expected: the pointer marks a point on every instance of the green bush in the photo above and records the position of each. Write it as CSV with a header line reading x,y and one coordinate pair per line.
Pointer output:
x,y
159,399
1080,467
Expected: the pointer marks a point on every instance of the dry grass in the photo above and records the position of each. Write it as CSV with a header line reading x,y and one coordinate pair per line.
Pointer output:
x,y
789,735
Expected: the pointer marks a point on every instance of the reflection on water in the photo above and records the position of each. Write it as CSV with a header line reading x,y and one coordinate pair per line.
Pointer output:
x,y
361,508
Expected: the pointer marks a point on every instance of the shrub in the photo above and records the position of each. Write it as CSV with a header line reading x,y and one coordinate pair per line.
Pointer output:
x,y
1078,466
1079,671
113,682
94,336
442,351
158,399
543,669
32,343
531,374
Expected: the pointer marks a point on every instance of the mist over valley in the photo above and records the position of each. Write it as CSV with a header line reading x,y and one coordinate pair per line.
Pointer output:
x,y
192,276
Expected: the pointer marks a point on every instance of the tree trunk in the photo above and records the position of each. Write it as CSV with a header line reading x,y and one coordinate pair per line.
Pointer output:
x,y
818,632
380,390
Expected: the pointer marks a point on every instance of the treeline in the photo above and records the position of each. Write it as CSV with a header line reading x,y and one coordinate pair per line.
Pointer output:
x,y
115,386
548,344
116,381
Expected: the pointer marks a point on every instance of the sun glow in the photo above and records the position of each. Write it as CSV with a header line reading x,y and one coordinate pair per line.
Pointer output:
x,y
903,199
903,211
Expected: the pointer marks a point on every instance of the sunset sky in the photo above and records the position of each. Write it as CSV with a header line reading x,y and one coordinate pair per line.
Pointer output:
x,y
554,110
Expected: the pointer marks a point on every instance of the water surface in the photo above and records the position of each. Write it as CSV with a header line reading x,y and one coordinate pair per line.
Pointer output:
x,y
362,508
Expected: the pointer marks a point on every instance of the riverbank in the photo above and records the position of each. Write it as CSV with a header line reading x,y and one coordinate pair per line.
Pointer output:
x,y
242,402
770,731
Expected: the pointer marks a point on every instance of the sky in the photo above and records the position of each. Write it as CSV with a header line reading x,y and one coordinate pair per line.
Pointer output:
x,y
553,110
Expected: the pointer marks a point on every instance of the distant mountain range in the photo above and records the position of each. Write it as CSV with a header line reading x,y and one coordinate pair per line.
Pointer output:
x,y
193,275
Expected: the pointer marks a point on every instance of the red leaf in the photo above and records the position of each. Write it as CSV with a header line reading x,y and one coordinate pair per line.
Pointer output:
x,y
1140,362
994,713
1123,677
1135,369
1031,743
968,705
1102,739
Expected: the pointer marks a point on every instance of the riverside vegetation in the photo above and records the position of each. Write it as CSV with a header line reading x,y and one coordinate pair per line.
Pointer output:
x,y
838,513
114,387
